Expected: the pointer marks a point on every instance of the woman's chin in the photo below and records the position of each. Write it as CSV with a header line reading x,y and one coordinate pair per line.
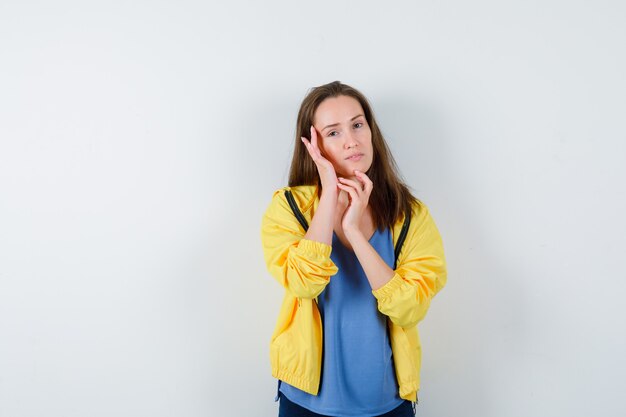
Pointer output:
x,y
348,172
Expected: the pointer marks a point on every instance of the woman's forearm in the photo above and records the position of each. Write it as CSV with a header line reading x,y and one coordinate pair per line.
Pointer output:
x,y
376,270
321,227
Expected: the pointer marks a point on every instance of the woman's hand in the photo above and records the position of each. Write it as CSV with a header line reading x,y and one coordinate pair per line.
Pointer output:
x,y
359,191
324,166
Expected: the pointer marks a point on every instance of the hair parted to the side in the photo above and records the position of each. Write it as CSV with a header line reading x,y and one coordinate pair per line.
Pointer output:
x,y
390,198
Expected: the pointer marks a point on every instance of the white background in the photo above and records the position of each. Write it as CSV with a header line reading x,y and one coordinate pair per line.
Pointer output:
x,y
140,143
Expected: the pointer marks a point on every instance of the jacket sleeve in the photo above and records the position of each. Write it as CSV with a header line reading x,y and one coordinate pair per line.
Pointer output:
x,y
300,265
420,273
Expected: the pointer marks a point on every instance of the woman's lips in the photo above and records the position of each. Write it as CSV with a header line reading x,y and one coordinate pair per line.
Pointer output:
x,y
355,157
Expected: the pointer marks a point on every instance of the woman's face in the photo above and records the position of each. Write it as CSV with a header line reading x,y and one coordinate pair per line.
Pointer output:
x,y
345,138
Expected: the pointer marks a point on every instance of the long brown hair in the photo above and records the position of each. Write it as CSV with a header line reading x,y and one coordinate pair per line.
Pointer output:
x,y
390,198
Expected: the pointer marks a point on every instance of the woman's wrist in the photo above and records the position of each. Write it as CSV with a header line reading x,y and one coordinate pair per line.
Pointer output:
x,y
328,196
353,234
321,227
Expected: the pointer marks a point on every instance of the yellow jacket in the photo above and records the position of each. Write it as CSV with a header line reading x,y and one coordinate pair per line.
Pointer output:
x,y
303,267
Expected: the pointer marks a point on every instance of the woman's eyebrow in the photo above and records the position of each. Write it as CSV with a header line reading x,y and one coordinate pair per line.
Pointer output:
x,y
337,124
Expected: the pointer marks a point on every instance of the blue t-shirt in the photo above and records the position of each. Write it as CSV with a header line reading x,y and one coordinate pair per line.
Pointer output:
x,y
358,376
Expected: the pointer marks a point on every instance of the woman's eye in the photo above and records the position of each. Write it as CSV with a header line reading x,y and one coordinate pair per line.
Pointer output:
x,y
333,133
358,125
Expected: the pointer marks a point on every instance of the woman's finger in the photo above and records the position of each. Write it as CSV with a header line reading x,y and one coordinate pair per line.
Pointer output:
x,y
350,190
322,163
356,184
308,147
314,137
313,151
313,145
356,194
368,185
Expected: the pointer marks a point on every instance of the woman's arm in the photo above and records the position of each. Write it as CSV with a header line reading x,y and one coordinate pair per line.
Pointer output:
x,y
360,188
376,269
404,294
421,273
301,265
321,227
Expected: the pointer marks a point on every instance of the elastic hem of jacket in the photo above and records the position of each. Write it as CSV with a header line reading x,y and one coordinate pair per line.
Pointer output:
x,y
406,391
301,383
389,288
410,394
315,248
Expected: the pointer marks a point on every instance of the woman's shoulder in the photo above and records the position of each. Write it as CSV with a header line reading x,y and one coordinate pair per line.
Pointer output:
x,y
304,196
300,190
419,209
419,214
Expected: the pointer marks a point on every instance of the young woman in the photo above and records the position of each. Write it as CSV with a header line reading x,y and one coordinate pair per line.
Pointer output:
x,y
346,341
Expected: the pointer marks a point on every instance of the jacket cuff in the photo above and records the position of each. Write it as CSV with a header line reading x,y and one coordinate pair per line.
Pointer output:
x,y
389,288
314,249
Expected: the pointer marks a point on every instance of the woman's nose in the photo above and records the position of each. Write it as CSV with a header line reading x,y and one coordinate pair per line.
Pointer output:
x,y
351,141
